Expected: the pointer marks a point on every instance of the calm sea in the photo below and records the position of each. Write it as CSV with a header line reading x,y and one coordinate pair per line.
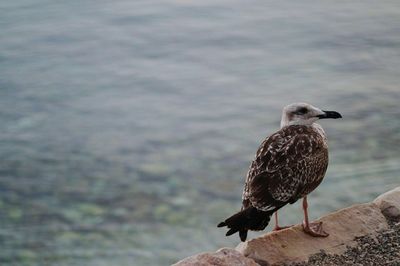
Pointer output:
x,y
127,126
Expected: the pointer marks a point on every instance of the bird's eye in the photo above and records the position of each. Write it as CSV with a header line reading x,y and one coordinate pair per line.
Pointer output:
x,y
301,111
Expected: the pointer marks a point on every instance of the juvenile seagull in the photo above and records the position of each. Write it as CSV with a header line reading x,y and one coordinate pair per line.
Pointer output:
x,y
288,165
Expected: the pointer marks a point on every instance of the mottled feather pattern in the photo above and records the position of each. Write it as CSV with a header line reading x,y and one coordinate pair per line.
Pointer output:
x,y
288,165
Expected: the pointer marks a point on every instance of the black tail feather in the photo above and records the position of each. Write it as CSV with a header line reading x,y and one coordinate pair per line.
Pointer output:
x,y
231,231
248,219
221,224
243,235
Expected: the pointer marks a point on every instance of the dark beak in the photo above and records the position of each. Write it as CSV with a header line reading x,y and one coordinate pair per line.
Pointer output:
x,y
329,114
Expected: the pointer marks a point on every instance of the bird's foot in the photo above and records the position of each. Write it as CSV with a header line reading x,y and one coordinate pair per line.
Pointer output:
x,y
278,228
314,229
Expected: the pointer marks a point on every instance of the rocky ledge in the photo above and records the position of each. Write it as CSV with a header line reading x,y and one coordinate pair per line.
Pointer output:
x,y
363,234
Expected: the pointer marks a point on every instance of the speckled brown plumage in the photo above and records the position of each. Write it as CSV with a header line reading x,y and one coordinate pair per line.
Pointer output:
x,y
288,165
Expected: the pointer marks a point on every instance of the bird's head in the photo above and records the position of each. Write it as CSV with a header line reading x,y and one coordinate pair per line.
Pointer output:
x,y
304,114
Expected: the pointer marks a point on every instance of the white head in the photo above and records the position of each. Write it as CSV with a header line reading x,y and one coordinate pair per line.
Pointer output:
x,y
304,114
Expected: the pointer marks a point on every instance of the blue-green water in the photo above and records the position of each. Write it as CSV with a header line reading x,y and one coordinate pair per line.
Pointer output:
x,y
127,126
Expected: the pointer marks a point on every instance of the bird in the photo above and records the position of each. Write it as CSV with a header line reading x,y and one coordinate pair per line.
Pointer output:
x,y
288,165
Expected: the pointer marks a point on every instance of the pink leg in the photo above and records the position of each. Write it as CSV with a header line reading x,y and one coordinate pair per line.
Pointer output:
x,y
277,227
313,229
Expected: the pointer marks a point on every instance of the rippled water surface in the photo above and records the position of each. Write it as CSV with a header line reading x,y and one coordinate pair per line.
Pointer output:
x,y
127,126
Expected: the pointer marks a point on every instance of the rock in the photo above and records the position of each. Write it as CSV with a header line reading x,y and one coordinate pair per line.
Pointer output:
x,y
222,257
292,245
363,234
389,203
381,250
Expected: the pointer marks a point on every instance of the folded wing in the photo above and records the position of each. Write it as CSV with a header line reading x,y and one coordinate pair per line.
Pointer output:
x,y
288,165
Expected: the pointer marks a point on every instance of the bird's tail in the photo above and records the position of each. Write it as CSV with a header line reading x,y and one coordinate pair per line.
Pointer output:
x,y
247,219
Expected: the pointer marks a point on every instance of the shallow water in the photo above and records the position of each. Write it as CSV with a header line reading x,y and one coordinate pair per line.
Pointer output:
x,y
127,127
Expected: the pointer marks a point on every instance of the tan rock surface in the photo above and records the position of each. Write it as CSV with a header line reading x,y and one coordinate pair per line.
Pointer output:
x,y
222,257
293,245
389,203
366,222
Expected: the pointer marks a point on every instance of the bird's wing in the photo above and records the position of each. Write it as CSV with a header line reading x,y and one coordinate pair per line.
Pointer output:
x,y
288,165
